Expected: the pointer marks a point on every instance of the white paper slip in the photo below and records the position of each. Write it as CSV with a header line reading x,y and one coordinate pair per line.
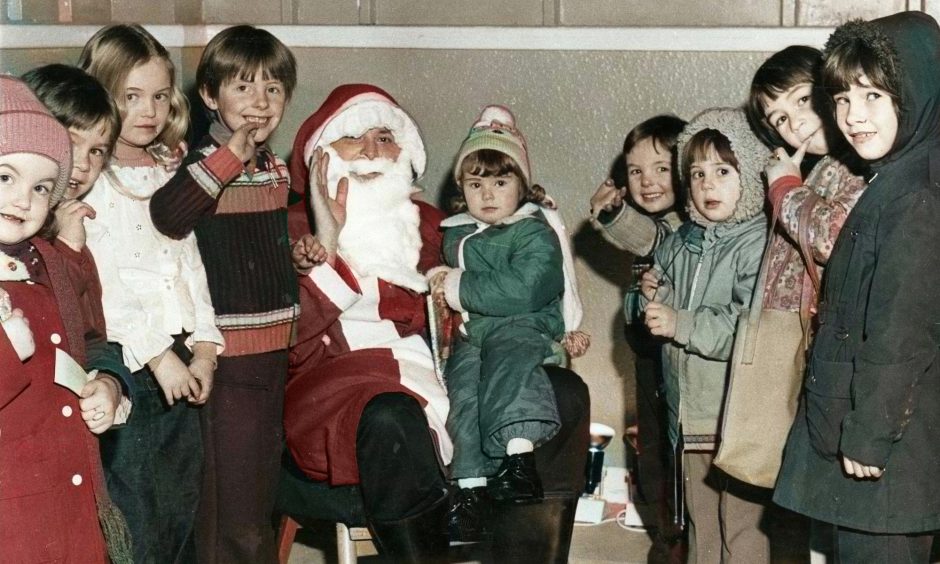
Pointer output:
x,y
123,411
69,373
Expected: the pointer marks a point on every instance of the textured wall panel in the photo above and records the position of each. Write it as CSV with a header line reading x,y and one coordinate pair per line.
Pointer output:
x,y
671,13
835,12
93,12
335,12
189,12
242,11
458,12
143,11
34,11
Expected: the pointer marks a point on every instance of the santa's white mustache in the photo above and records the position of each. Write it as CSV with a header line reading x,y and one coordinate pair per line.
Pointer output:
x,y
364,167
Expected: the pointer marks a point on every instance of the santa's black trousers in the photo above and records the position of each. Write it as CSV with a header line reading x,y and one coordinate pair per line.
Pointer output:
x,y
399,471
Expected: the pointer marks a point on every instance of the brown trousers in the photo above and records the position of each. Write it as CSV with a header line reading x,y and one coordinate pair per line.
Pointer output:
x,y
724,515
243,439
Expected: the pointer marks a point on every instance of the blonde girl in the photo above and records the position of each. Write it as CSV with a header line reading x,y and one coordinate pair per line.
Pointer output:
x,y
155,297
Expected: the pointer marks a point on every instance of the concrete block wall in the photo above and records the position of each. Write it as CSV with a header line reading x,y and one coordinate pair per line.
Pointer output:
x,y
529,13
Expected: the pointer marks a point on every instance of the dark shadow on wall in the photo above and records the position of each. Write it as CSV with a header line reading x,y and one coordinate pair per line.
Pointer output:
x,y
613,265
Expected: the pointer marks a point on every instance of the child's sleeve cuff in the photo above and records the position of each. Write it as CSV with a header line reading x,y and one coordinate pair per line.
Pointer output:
x,y
452,289
780,188
684,323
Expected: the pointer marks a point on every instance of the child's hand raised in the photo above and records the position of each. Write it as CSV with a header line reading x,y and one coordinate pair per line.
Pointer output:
x,y
69,216
100,398
242,142
174,377
307,252
780,164
660,319
607,198
329,214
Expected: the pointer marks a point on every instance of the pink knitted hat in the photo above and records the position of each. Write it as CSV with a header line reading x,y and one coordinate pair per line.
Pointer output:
x,y
26,126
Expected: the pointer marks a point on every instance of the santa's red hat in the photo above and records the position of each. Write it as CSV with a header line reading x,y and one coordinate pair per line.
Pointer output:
x,y
351,110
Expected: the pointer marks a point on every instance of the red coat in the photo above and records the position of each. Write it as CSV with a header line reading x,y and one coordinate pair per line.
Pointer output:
x,y
49,460
356,338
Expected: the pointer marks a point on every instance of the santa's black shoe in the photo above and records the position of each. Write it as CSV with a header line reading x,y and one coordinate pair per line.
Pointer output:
x,y
517,480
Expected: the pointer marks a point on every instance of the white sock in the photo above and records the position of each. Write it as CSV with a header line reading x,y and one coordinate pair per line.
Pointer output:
x,y
519,446
471,482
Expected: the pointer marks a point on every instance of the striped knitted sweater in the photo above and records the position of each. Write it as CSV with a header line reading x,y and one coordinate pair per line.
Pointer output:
x,y
240,220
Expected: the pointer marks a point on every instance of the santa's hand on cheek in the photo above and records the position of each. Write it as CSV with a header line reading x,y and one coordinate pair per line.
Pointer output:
x,y
329,214
242,142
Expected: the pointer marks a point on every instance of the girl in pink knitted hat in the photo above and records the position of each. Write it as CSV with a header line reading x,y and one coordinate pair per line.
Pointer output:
x,y
51,486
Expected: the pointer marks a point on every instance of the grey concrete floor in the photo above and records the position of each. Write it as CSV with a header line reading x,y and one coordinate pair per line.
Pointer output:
x,y
606,543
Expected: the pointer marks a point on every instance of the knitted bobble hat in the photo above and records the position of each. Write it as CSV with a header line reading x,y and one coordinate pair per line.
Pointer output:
x,y
26,126
747,148
495,129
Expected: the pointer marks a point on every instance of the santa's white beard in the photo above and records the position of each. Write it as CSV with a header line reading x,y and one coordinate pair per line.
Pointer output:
x,y
381,236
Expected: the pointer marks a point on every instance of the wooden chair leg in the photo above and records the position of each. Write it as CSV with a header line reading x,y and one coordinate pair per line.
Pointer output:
x,y
345,547
285,538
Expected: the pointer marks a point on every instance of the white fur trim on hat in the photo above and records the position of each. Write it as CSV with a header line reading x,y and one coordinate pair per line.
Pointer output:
x,y
368,111
495,113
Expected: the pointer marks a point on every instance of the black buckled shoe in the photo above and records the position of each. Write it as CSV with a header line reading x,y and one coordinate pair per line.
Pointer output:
x,y
468,519
517,480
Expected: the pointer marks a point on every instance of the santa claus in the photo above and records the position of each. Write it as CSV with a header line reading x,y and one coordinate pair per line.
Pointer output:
x,y
363,392
363,405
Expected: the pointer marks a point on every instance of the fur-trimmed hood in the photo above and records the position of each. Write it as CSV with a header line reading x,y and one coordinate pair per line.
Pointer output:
x,y
907,45
750,152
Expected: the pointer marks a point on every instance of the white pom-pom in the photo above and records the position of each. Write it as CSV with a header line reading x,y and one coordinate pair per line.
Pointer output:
x,y
496,113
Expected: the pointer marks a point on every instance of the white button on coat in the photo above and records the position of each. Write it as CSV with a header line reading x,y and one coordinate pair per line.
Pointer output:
x,y
77,480
67,411
55,338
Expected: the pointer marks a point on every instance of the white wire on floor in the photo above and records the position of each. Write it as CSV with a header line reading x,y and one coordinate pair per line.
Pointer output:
x,y
620,519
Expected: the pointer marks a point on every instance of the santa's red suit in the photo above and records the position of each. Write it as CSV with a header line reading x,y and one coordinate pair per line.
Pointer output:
x,y
359,333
